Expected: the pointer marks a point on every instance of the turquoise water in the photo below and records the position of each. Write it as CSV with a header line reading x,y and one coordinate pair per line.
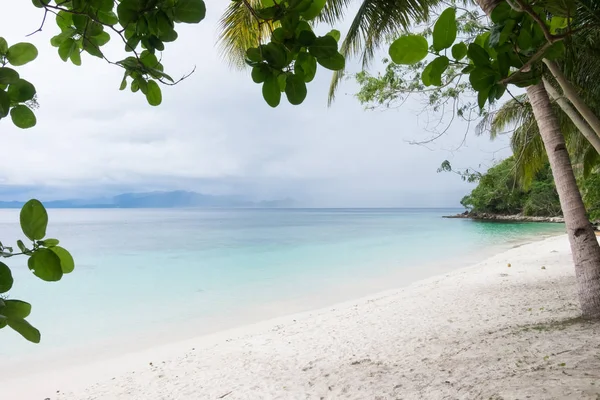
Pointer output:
x,y
149,272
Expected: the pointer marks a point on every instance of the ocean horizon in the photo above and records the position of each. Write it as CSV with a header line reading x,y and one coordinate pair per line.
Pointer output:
x,y
176,273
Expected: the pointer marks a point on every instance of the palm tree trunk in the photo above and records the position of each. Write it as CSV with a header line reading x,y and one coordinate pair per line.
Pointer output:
x,y
584,245
571,93
577,119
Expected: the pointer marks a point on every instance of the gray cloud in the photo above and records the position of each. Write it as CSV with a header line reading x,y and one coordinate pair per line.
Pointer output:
x,y
214,133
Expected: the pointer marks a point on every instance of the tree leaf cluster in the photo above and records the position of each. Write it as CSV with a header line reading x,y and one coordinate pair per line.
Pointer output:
x,y
46,260
17,95
289,60
510,52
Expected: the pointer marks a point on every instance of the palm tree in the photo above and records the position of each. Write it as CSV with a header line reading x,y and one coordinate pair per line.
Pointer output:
x,y
584,245
374,21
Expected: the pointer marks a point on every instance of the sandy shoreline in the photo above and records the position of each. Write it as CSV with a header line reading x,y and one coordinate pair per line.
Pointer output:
x,y
487,331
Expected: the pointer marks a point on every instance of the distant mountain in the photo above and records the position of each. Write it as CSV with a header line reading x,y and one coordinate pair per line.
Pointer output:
x,y
174,199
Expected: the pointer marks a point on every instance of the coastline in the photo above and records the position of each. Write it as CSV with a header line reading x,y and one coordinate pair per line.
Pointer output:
x,y
504,218
479,331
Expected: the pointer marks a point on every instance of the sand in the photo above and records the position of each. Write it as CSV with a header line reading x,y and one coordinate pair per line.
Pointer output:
x,y
485,332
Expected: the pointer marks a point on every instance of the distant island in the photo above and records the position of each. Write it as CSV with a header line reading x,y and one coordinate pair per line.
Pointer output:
x,y
172,199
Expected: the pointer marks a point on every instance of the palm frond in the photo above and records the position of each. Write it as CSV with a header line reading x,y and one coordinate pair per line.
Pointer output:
x,y
373,23
506,118
239,30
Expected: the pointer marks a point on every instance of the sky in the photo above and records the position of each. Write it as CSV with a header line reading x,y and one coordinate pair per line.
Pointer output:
x,y
213,133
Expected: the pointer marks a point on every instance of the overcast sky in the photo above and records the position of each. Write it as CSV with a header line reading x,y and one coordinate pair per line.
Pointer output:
x,y
214,133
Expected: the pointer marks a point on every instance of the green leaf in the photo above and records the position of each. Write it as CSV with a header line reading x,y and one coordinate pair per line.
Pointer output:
x,y
108,18
314,10
66,48
3,321
334,33
271,92
163,23
444,30
324,46
66,260
123,83
295,89
3,46
275,55
15,309
23,117
478,55
128,11
507,31
482,97
335,62
64,20
21,53
91,47
8,76
25,329
459,51
495,33
102,38
555,51
22,247
151,24
432,74
94,29
81,22
306,66
408,49
148,59
153,94
45,264
482,39
482,78
21,91
143,85
524,41
279,35
168,36
253,54
76,57
503,64
6,279
307,38
57,40
281,81
190,11
4,104
501,12
500,89
557,23
49,242
34,220
260,73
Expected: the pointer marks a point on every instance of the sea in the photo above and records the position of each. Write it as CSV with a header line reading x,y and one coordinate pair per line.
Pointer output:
x,y
144,276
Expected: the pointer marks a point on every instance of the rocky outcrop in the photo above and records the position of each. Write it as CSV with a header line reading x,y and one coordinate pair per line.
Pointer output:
x,y
511,218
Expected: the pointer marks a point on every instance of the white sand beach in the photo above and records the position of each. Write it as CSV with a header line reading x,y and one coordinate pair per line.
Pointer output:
x,y
489,331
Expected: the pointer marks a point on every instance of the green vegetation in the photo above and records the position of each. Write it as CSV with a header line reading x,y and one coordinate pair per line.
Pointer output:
x,y
499,192
47,260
